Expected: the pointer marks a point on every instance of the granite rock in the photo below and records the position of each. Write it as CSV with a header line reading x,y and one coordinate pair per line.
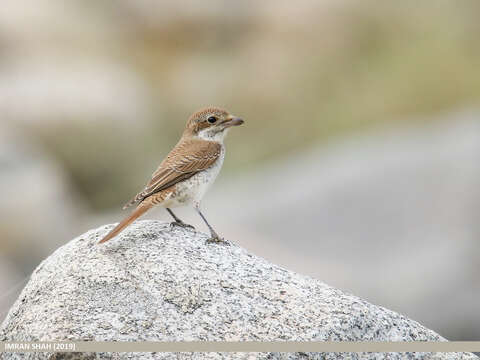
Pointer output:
x,y
157,282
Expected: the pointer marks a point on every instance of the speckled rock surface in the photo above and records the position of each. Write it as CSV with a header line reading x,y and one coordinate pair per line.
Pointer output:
x,y
155,282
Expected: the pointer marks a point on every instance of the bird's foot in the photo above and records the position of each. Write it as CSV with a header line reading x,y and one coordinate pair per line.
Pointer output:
x,y
182,224
215,239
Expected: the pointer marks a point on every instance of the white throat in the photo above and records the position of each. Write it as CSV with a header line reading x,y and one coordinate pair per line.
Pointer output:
x,y
211,135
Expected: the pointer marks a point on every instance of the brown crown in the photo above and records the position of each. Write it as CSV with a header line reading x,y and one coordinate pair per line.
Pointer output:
x,y
197,120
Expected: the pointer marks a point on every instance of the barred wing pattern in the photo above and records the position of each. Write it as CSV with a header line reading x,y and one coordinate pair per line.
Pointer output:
x,y
186,159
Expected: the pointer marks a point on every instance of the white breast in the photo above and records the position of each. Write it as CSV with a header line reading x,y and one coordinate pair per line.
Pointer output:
x,y
192,190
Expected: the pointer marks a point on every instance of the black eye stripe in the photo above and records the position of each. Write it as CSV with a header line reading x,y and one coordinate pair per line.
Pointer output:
x,y
212,119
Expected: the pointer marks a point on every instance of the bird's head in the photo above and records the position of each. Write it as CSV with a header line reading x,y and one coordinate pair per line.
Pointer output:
x,y
211,123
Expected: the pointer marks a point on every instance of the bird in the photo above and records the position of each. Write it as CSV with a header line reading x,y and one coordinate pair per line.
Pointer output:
x,y
187,172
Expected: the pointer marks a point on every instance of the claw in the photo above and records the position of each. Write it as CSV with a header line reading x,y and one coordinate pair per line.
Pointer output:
x,y
215,239
182,224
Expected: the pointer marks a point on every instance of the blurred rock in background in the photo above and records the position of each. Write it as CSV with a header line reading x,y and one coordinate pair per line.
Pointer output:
x,y
37,199
93,94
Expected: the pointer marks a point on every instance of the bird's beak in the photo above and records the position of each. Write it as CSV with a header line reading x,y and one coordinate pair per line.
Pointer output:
x,y
232,121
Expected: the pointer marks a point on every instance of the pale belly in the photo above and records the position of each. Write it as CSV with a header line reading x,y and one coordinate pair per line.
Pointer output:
x,y
192,190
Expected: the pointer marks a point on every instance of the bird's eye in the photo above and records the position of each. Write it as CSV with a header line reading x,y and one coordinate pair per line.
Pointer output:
x,y
212,119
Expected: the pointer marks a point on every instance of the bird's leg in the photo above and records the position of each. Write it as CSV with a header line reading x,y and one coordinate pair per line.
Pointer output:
x,y
214,238
177,221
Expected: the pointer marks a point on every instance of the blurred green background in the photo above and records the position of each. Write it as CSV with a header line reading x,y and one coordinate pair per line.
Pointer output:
x,y
94,94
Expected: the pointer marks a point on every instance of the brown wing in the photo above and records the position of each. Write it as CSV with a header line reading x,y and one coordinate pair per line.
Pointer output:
x,y
186,159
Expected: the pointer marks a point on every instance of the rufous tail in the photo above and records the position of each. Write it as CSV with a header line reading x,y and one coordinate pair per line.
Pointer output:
x,y
139,211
